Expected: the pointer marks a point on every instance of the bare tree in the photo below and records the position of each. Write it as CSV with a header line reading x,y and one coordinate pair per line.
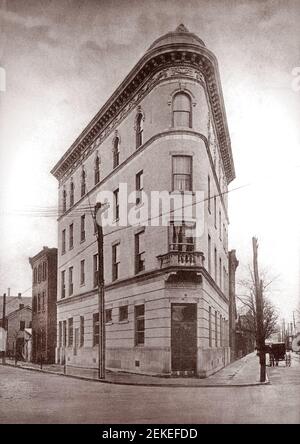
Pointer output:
x,y
247,300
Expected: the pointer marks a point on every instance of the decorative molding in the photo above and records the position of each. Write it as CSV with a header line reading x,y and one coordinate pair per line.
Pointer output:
x,y
198,64
182,88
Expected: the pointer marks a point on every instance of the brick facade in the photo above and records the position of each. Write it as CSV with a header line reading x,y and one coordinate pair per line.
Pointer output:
x,y
44,297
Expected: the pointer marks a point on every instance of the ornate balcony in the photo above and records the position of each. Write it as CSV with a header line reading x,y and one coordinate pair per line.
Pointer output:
x,y
185,259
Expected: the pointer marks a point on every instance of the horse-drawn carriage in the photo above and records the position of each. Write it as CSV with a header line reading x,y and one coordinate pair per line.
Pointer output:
x,y
277,352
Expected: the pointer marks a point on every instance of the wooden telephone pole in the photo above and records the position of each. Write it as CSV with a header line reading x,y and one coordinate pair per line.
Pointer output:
x,y
101,296
4,326
259,314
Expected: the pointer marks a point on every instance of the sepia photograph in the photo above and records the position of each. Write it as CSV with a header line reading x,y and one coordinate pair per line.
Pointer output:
x,y
150,214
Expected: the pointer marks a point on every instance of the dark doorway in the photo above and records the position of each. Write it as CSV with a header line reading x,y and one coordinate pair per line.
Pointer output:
x,y
184,338
19,349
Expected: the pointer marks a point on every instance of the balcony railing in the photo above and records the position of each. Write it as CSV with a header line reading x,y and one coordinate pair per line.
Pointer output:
x,y
181,259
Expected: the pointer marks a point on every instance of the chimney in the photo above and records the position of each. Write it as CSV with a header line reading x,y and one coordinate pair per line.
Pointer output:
x,y
8,292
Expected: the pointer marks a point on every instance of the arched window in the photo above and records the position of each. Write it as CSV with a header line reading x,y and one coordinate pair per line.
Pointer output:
x,y
116,151
64,200
71,193
182,110
97,170
139,129
83,183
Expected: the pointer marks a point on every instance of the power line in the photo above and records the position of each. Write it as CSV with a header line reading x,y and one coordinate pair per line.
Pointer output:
x,y
173,211
87,209
147,220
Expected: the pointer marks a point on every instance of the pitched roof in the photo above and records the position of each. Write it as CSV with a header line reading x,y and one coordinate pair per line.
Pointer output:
x,y
17,311
13,303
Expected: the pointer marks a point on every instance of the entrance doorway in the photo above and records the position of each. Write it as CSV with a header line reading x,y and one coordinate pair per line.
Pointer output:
x,y
184,338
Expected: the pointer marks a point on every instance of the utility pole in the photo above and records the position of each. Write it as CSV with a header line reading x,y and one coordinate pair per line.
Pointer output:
x,y
41,351
101,295
294,322
4,327
283,338
259,314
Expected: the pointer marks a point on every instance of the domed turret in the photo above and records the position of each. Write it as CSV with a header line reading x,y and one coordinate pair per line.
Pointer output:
x,y
181,35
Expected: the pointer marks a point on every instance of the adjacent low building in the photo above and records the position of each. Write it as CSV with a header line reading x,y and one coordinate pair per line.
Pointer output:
x,y
164,129
17,322
13,302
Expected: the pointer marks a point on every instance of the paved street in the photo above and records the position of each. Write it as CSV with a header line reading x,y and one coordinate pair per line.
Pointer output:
x,y
33,397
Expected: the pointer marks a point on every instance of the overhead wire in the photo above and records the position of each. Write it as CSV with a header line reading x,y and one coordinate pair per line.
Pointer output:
x,y
79,210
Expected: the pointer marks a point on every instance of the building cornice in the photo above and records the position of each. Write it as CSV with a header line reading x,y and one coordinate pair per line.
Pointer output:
x,y
45,252
149,71
144,276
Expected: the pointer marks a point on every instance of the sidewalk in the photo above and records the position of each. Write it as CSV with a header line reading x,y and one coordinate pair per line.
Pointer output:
x,y
243,372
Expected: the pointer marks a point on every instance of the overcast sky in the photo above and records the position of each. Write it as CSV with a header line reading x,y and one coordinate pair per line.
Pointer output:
x,y
63,59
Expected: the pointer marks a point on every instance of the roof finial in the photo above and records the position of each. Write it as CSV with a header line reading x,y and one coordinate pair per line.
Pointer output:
x,y
181,28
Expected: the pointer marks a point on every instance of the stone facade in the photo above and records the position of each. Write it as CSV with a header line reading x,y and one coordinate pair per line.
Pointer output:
x,y
156,289
44,297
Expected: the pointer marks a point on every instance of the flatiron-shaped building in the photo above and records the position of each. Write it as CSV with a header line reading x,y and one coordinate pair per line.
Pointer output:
x,y
166,286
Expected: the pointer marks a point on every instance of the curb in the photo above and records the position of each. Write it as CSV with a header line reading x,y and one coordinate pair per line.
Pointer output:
x,y
105,381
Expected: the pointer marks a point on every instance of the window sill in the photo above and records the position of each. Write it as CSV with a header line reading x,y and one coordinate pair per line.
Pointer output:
x,y
126,321
82,241
109,323
71,248
181,127
139,272
192,193
82,285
